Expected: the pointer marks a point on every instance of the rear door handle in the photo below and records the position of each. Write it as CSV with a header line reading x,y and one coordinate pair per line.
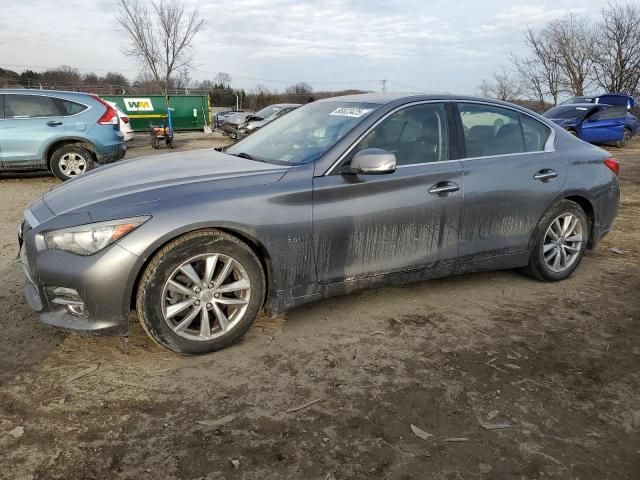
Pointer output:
x,y
54,123
546,174
443,188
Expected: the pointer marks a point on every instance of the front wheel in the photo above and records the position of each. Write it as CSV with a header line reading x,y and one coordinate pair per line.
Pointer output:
x,y
559,242
201,292
71,161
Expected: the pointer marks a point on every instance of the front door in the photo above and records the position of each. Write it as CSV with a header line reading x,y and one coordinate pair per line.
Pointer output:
x,y
511,176
369,225
30,122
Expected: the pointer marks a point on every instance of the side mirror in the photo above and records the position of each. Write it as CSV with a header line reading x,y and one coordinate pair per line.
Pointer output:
x,y
593,118
372,161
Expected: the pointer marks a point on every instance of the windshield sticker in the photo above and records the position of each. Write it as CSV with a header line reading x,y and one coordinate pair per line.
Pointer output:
x,y
354,112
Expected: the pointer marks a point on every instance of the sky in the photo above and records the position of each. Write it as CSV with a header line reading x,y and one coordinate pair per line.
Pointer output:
x,y
416,45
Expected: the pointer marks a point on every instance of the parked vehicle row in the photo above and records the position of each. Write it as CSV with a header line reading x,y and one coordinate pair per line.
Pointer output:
x,y
242,124
340,194
67,133
600,119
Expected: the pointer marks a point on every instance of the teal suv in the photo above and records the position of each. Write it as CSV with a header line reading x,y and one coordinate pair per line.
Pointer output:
x,y
68,133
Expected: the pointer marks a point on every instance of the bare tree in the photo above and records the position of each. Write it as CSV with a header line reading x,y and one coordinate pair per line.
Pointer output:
x,y
223,79
617,59
161,38
573,39
300,88
540,72
502,86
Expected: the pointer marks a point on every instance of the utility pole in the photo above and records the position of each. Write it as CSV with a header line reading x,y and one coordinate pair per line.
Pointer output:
x,y
384,85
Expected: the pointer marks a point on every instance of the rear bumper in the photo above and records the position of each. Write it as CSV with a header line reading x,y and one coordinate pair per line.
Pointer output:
x,y
606,214
112,155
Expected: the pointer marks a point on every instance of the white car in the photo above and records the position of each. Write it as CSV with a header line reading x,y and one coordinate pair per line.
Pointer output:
x,y
125,126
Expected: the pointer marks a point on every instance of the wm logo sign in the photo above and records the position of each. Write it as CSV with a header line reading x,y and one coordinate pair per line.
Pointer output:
x,y
138,104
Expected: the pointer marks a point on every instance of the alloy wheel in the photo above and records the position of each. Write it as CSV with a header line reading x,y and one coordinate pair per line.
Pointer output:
x,y
206,296
72,164
562,242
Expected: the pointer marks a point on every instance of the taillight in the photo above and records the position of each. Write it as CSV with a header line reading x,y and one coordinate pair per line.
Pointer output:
x,y
612,164
124,119
110,117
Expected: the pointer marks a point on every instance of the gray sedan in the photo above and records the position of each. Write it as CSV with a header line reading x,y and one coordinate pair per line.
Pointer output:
x,y
341,194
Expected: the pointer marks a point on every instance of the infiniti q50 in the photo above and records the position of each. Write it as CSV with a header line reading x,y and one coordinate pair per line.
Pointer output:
x,y
341,194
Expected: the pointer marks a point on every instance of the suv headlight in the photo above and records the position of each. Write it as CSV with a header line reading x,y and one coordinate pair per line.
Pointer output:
x,y
93,237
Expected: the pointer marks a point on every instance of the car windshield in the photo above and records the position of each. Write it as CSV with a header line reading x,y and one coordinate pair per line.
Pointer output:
x,y
566,112
305,134
267,111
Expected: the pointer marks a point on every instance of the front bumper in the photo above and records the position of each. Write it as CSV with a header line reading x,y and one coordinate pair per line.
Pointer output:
x,y
102,281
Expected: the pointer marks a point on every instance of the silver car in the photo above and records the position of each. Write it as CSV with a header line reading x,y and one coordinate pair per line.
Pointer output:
x,y
341,194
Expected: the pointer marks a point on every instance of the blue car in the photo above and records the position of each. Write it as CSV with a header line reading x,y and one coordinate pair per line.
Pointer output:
x,y
68,133
596,122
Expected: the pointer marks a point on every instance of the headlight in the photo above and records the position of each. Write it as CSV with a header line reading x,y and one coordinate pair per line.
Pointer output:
x,y
93,237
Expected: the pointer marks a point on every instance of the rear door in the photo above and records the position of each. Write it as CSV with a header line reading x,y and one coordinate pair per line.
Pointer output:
x,y
605,125
31,122
511,175
370,225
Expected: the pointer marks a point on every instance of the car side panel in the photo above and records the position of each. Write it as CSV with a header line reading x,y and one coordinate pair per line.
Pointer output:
x,y
607,130
23,140
276,218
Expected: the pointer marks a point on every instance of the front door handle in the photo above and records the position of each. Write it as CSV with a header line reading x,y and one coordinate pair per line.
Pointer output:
x,y
443,188
545,175
54,123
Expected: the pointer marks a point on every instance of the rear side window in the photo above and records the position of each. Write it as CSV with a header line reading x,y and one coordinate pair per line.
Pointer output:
x,y
416,134
490,130
535,134
28,106
67,107
611,112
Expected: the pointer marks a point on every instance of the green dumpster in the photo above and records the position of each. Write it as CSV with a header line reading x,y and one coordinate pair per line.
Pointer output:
x,y
190,112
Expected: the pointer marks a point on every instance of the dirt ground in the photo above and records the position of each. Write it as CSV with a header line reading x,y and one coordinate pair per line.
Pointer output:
x,y
557,365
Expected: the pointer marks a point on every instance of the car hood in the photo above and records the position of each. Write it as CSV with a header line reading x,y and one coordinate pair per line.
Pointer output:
x,y
238,118
159,177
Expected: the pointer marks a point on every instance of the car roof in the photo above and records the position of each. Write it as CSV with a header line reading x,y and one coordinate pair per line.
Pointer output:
x,y
582,104
43,92
285,105
385,98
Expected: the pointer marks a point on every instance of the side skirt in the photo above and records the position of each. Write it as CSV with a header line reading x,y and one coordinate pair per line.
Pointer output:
x,y
286,300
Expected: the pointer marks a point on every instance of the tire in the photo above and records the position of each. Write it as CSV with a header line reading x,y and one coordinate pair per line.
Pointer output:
x,y
541,263
626,138
70,161
156,297
572,132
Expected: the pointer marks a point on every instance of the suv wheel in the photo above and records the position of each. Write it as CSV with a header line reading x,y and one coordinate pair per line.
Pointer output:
x,y
560,242
71,161
201,292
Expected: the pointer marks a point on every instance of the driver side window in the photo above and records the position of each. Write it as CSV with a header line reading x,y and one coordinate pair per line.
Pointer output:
x,y
416,134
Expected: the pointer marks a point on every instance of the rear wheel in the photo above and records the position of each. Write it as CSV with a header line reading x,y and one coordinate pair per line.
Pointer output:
x,y
560,242
626,138
201,292
71,161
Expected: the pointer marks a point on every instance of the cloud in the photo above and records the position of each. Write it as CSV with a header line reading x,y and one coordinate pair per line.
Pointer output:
x,y
437,45
518,17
